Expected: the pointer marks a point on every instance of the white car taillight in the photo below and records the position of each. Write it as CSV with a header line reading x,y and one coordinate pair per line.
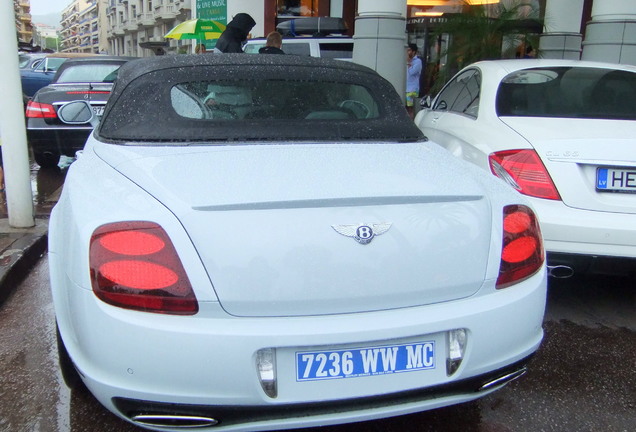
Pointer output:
x,y
134,265
524,171
522,252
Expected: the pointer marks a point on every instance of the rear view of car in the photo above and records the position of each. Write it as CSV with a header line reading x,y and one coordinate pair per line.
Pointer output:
x,y
265,242
89,79
563,134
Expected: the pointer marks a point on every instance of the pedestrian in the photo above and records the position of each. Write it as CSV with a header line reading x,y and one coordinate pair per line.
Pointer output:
x,y
413,72
273,44
200,49
235,34
530,52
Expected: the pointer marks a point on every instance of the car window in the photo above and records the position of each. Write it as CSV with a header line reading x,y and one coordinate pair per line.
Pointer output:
x,y
252,48
449,94
49,64
23,61
273,100
568,92
336,50
467,101
89,73
38,65
301,49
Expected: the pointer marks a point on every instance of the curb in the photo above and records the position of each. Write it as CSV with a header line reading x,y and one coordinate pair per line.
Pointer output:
x,y
18,259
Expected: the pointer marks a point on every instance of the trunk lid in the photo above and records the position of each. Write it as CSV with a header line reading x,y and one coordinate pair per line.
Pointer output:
x,y
575,151
265,220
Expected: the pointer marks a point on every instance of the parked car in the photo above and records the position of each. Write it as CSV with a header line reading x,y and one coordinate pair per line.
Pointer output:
x,y
37,70
89,79
560,132
27,60
315,37
240,250
333,47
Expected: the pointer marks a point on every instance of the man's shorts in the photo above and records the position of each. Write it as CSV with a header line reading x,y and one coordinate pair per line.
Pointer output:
x,y
410,98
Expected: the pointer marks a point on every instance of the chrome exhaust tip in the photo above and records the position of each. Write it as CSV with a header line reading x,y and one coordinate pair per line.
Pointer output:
x,y
174,421
502,380
560,271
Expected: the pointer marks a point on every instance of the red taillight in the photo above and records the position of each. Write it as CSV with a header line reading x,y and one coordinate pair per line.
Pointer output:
x,y
524,170
522,253
134,265
40,110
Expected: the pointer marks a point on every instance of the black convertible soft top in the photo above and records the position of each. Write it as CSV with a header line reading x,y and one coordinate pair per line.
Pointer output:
x,y
184,98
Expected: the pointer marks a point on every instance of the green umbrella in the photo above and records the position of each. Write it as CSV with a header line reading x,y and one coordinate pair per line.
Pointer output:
x,y
200,29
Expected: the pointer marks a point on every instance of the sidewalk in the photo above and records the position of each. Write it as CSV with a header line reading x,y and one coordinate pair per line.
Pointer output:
x,y
20,249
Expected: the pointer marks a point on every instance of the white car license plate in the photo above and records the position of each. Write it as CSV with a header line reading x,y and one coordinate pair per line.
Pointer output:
x,y
98,110
358,362
616,179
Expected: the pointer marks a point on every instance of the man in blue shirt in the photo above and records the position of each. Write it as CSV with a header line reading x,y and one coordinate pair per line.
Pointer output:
x,y
413,72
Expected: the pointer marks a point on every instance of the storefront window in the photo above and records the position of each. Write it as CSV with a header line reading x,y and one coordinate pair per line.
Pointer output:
x,y
289,8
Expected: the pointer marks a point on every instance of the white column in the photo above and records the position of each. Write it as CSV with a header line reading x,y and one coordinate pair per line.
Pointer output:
x,y
562,30
15,154
379,41
611,34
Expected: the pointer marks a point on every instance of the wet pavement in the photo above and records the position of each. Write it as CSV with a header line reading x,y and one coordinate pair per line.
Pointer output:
x,y
46,186
582,379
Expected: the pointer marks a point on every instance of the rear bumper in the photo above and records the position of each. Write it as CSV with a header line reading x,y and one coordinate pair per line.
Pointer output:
x,y
129,360
231,417
65,140
573,231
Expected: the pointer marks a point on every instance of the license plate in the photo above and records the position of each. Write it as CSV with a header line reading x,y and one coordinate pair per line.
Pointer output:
x,y
616,179
370,361
98,110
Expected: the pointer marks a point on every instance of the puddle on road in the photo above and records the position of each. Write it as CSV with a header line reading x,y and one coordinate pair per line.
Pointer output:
x,y
46,185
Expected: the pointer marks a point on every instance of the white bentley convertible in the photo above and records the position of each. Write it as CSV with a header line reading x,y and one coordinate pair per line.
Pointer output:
x,y
268,242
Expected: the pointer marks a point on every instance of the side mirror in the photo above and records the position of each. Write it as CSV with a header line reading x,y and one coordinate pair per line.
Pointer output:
x,y
77,112
426,102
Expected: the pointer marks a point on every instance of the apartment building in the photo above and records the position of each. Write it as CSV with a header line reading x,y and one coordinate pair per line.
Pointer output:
x,y
84,27
24,28
136,27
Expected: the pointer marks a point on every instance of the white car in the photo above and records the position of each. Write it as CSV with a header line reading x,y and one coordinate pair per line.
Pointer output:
x,y
332,47
562,133
268,242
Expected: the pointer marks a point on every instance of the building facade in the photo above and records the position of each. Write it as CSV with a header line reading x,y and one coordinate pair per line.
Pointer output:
x,y
24,28
135,22
46,37
137,27
84,26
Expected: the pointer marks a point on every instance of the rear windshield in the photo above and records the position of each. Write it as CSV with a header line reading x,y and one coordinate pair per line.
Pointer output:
x,y
568,92
256,104
89,73
273,100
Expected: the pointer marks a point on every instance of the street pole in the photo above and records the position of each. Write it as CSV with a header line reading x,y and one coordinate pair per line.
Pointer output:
x,y
379,41
15,154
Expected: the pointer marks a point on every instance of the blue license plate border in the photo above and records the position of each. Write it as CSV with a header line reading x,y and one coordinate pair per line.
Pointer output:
x,y
365,361
602,174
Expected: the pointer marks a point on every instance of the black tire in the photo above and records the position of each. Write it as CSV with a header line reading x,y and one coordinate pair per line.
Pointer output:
x,y
46,159
70,375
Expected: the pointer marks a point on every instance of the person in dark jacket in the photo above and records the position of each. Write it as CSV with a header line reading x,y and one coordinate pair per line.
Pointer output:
x,y
232,38
273,44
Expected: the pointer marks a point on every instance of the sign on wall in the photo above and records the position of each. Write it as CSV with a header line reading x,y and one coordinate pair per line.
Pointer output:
x,y
214,10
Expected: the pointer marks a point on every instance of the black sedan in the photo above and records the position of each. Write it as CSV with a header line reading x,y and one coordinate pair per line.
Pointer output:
x,y
90,79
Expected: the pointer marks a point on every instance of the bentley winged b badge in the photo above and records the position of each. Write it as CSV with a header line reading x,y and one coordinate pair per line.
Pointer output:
x,y
362,233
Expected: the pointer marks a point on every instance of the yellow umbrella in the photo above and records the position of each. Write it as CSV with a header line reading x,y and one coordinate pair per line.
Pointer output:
x,y
201,29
